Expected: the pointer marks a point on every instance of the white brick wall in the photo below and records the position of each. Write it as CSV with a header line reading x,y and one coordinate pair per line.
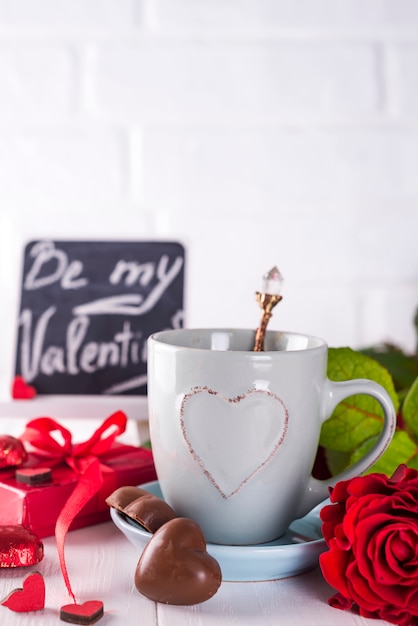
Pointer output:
x,y
233,82
258,132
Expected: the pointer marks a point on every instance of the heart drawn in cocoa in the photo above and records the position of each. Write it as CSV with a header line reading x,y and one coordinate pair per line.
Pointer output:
x,y
175,567
232,439
30,598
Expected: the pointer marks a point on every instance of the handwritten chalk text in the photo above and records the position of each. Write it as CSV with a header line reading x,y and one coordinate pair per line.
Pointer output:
x,y
67,273
135,304
87,308
76,356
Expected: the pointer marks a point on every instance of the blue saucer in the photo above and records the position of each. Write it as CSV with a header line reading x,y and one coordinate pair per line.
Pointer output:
x,y
295,552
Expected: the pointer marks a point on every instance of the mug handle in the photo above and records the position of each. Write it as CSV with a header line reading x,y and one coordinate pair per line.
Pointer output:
x,y
334,392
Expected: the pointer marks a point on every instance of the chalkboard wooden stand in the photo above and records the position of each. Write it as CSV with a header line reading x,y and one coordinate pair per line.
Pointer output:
x,y
86,311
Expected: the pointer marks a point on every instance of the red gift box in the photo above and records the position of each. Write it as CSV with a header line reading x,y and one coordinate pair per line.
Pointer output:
x,y
39,506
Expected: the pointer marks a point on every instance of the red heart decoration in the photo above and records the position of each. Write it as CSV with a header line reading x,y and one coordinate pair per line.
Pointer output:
x,y
30,598
21,390
175,567
86,613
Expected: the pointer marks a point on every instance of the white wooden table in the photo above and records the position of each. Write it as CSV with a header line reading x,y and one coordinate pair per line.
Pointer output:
x,y
101,562
101,565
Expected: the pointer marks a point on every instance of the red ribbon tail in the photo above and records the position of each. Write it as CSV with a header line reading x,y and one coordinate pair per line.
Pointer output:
x,y
87,486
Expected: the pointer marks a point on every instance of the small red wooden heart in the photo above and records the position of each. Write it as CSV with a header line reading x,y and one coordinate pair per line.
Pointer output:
x,y
21,390
30,598
34,475
86,613
175,567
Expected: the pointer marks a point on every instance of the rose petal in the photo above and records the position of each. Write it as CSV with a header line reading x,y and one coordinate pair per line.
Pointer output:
x,y
338,601
339,492
332,513
401,552
398,617
369,484
333,564
376,563
331,516
372,533
403,546
404,474
359,589
351,519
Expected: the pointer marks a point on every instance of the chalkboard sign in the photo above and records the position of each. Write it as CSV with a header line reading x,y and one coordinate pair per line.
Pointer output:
x,y
87,309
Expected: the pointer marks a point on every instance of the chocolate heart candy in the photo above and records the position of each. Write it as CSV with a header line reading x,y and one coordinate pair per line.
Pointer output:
x,y
122,496
175,567
141,506
150,511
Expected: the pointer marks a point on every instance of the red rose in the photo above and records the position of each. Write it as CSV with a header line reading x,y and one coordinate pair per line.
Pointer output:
x,y
372,534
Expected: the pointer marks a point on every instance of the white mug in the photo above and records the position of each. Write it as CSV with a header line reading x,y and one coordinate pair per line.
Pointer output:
x,y
235,432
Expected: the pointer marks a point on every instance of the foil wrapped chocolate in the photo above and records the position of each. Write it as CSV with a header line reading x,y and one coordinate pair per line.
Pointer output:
x,y
12,452
19,546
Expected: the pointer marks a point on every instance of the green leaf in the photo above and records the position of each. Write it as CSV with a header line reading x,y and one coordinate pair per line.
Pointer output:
x,y
360,417
410,411
337,461
402,367
402,449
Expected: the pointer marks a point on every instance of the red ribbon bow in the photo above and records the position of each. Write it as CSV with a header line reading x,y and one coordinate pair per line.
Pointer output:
x,y
83,458
38,436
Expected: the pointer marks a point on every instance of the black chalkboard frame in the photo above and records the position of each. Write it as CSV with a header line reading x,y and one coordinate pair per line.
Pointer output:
x,y
87,309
